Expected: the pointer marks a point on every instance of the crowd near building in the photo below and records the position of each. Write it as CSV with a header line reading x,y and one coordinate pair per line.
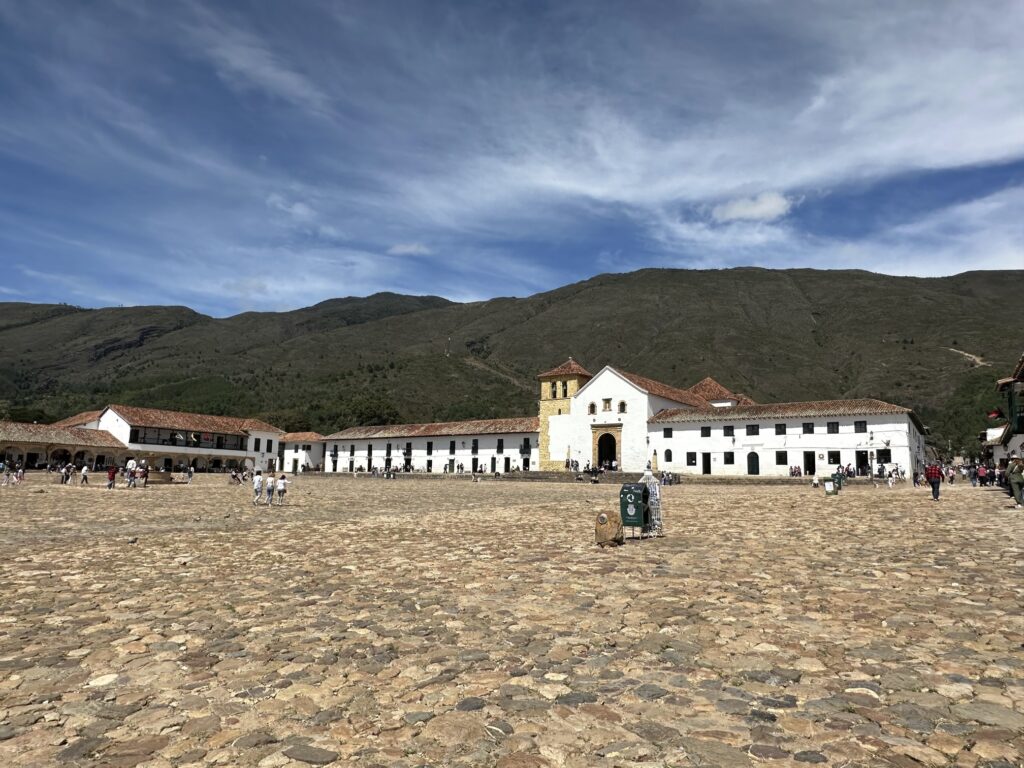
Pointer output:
x,y
611,420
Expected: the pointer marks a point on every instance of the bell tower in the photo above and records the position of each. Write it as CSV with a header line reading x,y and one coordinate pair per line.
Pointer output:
x,y
557,388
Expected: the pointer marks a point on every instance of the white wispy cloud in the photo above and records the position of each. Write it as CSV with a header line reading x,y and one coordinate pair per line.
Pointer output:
x,y
409,249
767,206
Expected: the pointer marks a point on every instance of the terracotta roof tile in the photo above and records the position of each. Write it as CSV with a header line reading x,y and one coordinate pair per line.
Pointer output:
x,y
709,389
440,429
658,389
78,419
51,434
301,437
192,422
569,368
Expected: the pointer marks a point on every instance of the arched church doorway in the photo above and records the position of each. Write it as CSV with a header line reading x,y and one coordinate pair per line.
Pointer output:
x,y
753,464
606,450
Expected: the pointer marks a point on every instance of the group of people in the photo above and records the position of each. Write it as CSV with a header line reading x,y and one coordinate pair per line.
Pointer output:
x,y
935,474
258,484
13,474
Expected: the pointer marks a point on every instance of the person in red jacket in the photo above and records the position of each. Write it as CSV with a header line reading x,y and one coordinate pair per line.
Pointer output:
x,y
111,476
933,474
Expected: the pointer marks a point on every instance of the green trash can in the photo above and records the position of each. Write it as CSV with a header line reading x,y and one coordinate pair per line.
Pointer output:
x,y
837,478
633,505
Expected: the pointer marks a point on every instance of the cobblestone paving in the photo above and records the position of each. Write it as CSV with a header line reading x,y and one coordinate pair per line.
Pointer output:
x,y
445,623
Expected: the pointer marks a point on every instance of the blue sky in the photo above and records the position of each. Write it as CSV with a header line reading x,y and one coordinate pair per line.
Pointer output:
x,y
233,156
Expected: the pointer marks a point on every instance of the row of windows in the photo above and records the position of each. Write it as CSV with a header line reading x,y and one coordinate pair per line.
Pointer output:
x,y
884,456
808,428
606,406
474,448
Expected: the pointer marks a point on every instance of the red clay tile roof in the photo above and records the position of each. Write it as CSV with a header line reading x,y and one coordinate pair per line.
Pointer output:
x,y
192,422
709,389
664,390
861,407
50,434
301,437
441,429
569,368
78,419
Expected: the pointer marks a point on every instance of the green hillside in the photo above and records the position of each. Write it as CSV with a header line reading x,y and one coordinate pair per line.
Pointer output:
x,y
775,335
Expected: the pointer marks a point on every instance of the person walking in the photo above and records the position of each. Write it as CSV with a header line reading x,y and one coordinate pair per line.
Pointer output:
x,y
191,471
270,490
1015,477
282,489
111,477
933,474
85,475
257,487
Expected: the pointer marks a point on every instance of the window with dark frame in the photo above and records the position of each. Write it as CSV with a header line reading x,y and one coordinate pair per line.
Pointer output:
x,y
256,444
808,427
753,429
430,448
729,431
728,457
780,429
833,457
666,432
781,458
668,456
691,459
860,426
705,431
451,448
501,445
832,427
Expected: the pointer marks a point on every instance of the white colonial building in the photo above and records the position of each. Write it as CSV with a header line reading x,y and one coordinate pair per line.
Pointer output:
x,y
623,420
620,420
172,440
492,445
301,451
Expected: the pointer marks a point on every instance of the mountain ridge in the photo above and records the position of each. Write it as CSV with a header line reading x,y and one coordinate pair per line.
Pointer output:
x,y
776,335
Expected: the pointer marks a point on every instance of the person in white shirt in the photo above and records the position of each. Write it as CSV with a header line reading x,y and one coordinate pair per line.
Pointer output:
x,y
85,475
282,488
257,487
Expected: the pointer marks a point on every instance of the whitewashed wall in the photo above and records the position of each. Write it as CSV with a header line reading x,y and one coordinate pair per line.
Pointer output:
x,y
296,456
341,454
904,442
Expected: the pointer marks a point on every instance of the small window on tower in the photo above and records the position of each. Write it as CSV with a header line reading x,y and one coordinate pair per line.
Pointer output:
x,y
622,406
565,389
554,389
592,409
606,404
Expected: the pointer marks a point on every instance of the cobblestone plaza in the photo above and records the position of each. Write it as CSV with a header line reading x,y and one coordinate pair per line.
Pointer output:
x,y
444,622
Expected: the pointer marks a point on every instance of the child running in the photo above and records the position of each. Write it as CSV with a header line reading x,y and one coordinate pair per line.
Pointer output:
x,y
257,488
270,490
282,488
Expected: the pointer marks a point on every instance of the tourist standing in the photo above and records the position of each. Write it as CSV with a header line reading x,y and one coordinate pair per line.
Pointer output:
x,y
933,474
111,477
1015,477
257,488
191,471
85,475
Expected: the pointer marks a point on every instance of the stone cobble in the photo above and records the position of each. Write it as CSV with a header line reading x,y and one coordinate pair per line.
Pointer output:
x,y
476,624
